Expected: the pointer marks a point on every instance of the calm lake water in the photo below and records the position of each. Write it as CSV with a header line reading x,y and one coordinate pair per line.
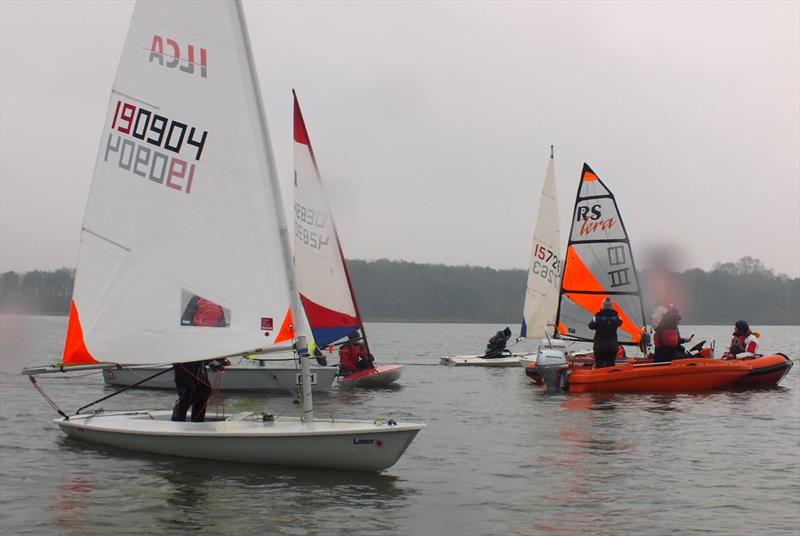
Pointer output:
x,y
499,456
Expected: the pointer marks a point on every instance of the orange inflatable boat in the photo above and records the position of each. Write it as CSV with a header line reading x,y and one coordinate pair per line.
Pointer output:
x,y
766,371
683,375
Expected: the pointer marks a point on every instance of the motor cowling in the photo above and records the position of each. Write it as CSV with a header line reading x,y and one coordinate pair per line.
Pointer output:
x,y
553,369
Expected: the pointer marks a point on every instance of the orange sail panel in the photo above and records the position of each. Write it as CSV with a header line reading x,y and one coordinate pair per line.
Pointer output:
x,y
286,332
75,351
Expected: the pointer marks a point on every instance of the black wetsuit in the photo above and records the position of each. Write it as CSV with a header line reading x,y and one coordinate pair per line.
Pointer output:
x,y
496,346
605,324
191,379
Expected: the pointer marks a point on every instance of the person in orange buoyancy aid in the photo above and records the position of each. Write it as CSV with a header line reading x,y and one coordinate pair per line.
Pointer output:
x,y
353,355
744,342
204,313
667,338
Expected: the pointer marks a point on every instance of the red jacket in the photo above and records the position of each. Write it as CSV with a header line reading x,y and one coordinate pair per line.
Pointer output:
x,y
351,354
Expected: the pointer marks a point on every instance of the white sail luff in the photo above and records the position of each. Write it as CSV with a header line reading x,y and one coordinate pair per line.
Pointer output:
x,y
306,399
544,270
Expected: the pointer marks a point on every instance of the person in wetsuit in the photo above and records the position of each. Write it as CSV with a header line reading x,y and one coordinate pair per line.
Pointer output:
x,y
605,324
191,379
497,344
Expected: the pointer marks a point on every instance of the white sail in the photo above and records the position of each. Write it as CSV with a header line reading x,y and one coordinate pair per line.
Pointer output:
x,y
544,271
320,267
598,264
184,210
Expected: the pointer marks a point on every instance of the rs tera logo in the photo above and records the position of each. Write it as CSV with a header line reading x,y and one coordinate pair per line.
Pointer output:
x,y
583,213
588,218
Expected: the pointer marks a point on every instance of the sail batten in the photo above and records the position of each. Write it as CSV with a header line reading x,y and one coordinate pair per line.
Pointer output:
x,y
598,264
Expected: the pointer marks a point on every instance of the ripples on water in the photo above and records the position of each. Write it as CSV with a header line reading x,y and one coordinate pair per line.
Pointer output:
x,y
499,456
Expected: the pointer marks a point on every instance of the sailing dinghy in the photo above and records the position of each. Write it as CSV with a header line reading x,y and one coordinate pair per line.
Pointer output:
x,y
599,263
544,276
245,375
185,212
323,277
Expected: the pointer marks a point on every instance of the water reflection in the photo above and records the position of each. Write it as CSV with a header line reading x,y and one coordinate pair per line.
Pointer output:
x,y
588,440
280,497
72,504
233,498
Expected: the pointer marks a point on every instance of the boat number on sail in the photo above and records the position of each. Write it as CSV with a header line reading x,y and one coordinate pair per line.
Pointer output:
x,y
591,220
547,265
174,59
159,131
304,220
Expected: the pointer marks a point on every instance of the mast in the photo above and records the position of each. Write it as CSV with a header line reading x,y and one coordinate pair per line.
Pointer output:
x,y
301,347
556,332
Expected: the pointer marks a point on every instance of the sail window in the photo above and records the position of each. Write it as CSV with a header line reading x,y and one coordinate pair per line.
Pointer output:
x,y
202,312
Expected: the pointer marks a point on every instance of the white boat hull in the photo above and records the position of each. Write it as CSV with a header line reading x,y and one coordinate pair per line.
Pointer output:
x,y
341,444
234,378
480,361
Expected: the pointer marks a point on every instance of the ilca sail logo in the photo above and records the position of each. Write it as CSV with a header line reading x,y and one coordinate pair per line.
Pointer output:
x,y
167,52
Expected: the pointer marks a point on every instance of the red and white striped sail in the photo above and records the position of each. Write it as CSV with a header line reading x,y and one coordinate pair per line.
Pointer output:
x,y
599,263
184,247
544,271
320,267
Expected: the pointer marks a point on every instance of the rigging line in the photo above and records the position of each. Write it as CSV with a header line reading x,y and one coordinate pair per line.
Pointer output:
x,y
47,398
115,393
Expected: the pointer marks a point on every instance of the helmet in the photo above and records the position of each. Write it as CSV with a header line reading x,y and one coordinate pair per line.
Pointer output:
x,y
742,326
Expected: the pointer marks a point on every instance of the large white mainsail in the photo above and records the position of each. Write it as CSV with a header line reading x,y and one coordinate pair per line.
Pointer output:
x,y
544,271
599,263
205,272
323,280
184,204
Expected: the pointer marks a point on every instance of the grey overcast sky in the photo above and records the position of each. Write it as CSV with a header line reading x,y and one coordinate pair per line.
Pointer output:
x,y
432,121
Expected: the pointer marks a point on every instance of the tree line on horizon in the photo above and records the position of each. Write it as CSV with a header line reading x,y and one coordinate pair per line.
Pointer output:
x,y
407,291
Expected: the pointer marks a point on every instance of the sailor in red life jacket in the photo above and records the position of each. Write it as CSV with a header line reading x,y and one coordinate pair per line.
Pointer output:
x,y
353,355
744,342
667,338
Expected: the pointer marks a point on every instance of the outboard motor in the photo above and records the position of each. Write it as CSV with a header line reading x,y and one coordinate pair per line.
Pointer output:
x,y
553,369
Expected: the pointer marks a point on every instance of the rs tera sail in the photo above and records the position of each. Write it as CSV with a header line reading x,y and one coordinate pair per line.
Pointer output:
x,y
598,263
